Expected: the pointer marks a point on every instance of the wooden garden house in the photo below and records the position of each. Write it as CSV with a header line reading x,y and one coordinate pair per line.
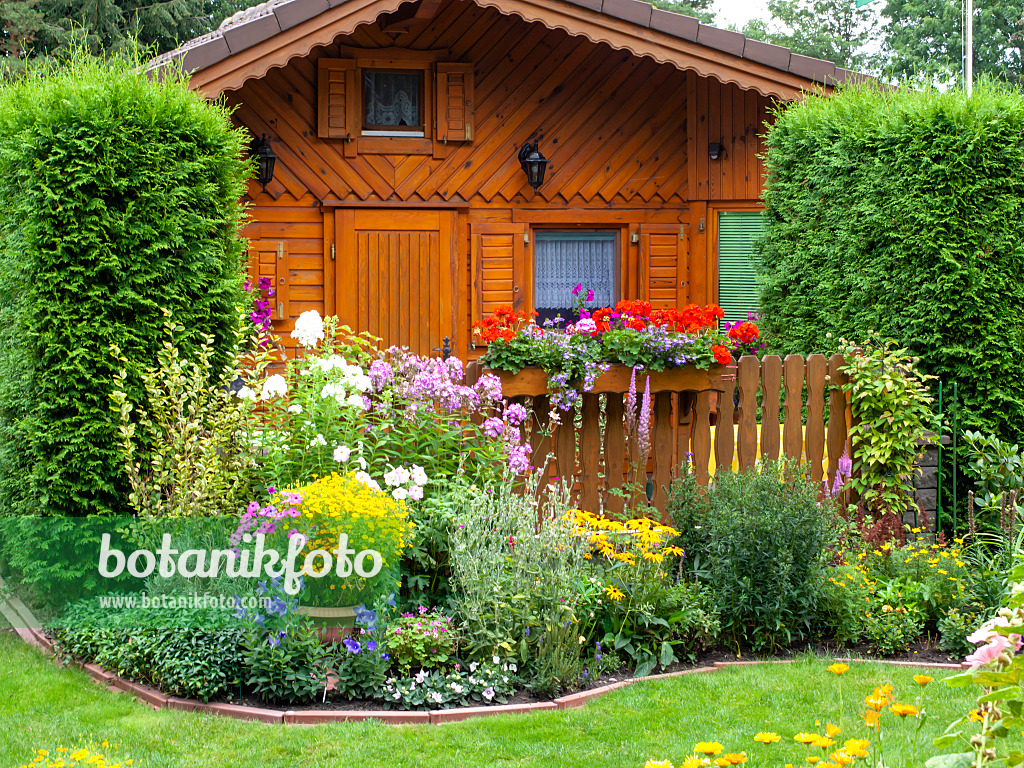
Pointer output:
x,y
399,202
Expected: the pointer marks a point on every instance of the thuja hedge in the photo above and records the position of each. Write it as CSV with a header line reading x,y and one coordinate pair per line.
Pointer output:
x,y
119,196
902,212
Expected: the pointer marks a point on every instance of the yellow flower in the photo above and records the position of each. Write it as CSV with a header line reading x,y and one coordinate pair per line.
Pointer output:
x,y
614,593
722,762
813,759
693,762
832,730
735,758
822,742
838,668
841,757
976,716
857,747
871,717
767,738
708,748
903,709
658,764
923,680
806,738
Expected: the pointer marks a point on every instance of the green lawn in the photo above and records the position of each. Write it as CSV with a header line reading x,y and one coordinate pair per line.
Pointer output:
x,y
43,706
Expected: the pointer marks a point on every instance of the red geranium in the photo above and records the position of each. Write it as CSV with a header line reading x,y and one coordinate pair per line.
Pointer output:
x,y
745,333
722,355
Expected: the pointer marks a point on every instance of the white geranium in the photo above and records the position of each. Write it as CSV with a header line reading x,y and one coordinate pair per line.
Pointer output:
x,y
341,453
274,386
309,329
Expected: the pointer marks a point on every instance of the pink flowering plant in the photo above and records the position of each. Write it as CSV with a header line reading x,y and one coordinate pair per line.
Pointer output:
x,y
997,667
423,639
408,421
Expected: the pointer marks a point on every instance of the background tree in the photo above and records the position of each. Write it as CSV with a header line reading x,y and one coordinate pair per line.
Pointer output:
x,y
37,28
701,9
924,39
835,30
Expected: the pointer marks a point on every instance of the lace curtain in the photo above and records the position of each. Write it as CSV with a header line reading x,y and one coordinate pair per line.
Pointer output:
x,y
392,98
562,260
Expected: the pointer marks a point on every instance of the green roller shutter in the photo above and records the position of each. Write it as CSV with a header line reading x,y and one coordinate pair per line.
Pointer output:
x,y
737,282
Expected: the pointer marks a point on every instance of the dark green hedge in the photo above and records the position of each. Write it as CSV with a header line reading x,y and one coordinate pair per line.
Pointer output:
x,y
119,195
903,212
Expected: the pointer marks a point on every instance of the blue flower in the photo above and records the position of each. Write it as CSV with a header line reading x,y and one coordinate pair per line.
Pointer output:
x,y
352,646
278,606
262,588
275,640
372,645
391,600
258,620
385,657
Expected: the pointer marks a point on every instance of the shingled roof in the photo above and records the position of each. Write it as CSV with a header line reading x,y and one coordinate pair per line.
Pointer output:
x,y
258,24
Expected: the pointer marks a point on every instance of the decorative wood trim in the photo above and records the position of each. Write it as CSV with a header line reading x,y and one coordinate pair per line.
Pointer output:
x,y
276,51
388,56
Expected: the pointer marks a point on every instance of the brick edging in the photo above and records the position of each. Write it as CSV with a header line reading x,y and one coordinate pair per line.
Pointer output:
x,y
159,700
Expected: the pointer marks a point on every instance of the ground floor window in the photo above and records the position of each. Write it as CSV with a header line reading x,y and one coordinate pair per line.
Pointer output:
x,y
737,280
563,260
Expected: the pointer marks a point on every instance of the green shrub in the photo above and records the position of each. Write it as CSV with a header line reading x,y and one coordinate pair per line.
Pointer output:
x,y
760,544
195,654
425,639
902,212
891,629
119,196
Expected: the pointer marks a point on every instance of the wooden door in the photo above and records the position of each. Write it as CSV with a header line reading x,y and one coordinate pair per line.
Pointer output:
x,y
398,277
664,265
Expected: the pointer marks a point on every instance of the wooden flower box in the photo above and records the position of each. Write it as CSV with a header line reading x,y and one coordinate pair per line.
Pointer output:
x,y
533,382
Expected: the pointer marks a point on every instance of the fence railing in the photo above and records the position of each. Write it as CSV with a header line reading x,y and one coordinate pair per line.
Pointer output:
x,y
733,415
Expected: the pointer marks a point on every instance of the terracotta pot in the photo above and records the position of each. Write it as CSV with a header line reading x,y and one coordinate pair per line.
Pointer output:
x,y
335,622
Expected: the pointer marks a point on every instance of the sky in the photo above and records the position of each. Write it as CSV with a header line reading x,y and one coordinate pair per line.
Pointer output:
x,y
739,12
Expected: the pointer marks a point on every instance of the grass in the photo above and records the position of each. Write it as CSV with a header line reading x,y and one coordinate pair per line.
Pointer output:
x,y
44,706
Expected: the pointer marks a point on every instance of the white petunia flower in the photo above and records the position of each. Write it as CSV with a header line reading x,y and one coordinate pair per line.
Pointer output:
x,y
341,453
419,476
309,329
400,494
274,386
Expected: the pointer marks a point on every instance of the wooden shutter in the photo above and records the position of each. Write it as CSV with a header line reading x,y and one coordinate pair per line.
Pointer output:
x,y
454,102
499,268
664,265
269,258
337,99
737,280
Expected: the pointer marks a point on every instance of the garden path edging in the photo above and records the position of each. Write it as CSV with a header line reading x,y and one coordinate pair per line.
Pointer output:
x,y
158,700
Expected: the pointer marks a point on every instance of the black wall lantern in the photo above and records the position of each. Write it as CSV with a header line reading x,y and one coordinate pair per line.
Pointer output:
x,y
534,164
265,159
715,150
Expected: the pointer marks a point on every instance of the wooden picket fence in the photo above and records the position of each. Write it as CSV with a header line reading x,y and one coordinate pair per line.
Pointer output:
x,y
694,415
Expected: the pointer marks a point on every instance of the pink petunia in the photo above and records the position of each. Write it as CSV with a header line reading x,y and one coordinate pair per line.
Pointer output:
x,y
986,654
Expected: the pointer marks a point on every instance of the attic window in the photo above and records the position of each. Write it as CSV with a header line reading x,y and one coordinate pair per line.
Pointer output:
x,y
393,102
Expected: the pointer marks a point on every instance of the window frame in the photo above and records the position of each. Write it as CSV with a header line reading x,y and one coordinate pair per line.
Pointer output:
x,y
393,131
713,211
622,251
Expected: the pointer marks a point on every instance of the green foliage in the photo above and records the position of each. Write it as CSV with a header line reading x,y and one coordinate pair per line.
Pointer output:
x,y
188,653
924,40
424,640
473,685
286,665
759,543
844,593
834,30
954,628
521,589
900,212
192,425
700,9
120,197
997,465
891,629
893,421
